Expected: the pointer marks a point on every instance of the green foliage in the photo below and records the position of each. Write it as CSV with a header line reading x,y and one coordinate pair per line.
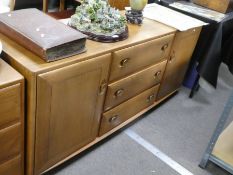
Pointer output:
x,y
96,16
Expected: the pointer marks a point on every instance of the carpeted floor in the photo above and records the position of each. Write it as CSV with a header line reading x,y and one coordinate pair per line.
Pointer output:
x,y
180,128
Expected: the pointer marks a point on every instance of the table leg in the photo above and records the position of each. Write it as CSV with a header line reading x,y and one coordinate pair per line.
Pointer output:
x,y
62,5
45,5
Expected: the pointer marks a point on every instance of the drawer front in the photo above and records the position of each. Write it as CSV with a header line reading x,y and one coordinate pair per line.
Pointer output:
x,y
133,59
124,111
10,104
11,167
128,87
10,142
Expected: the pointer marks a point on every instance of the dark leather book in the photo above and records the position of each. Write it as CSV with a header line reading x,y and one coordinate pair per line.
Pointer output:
x,y
42,34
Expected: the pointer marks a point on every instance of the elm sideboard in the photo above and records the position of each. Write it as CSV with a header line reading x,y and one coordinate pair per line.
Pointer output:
x,y
73,103
11,121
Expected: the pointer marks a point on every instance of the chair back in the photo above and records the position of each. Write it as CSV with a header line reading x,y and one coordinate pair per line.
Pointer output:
x,y
119,4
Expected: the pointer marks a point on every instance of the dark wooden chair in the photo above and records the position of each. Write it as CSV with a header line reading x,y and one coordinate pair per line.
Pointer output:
x,y
119,4
61,13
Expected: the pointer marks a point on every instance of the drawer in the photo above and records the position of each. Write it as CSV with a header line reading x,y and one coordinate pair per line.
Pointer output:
x,y
10,104
10,142
136,58
11,167
128,87
124,111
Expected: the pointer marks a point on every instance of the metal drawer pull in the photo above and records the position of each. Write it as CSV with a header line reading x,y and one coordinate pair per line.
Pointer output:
x,y
150,98
114,118
164,47
157,74
103,87
172,57
119,93
124,62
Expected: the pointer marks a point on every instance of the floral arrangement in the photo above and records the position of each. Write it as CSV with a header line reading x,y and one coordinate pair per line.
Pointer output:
x,y
97,17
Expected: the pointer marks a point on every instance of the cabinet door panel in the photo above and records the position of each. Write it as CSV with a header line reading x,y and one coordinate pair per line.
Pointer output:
x,y
10,142
10,104
182,50
69,104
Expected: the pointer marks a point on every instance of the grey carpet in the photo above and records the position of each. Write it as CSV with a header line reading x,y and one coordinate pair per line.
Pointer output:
x,y
181,128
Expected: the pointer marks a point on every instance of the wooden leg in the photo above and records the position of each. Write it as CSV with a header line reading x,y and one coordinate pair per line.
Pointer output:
x,y
62,5
195,87
45,6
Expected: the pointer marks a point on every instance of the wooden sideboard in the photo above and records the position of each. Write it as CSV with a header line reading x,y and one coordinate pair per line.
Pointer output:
x,y
11,121
76,102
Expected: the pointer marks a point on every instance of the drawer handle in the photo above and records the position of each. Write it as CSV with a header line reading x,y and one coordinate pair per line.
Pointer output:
x,y
164,47
124,62
150,98
103,87
119,92
172,57
113,119
157,74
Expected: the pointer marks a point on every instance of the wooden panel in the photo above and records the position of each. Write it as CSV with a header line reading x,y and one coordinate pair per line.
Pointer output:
x,y
8,76
10,104
135,58
12,167
128,87
10,141
224,146
178,61
124,111
119,4
222,6
69,109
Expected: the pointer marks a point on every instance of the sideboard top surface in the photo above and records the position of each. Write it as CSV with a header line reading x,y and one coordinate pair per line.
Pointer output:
x,y
137,34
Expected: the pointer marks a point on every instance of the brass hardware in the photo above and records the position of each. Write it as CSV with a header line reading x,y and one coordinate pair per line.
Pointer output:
x,y
158,74
103,87
124,62
119,93
150,98
164,47
114,118
172,57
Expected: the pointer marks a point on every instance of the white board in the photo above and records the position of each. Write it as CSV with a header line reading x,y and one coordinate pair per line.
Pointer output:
x,y
171,18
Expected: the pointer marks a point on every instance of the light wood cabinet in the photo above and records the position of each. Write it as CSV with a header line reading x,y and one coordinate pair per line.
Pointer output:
x,y
181,53
124,111
73,103
130,86
11,121
69,104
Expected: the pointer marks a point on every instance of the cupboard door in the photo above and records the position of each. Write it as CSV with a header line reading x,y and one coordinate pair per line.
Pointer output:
x,y
69,104
182,50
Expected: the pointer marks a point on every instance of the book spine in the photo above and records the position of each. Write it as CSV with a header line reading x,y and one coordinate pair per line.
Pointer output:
x,y
22,40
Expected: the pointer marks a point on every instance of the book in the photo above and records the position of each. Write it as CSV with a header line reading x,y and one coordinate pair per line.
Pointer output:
x,y
41,34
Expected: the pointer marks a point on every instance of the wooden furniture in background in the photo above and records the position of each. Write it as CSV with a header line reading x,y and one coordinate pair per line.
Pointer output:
x,y
66,98
119,4
11,121
46,3
222,6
